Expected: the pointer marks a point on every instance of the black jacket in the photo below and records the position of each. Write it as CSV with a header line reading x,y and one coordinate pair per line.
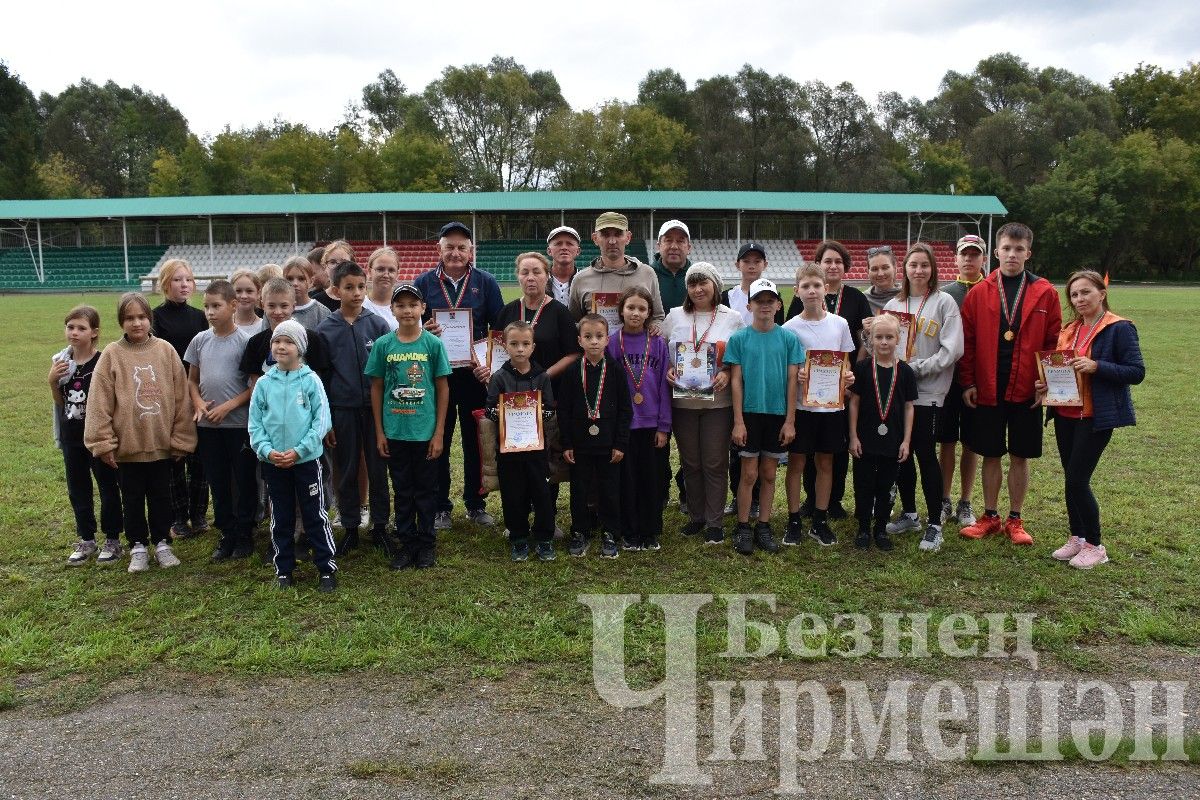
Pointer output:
x,y
616,411
508,380
259,347
178,324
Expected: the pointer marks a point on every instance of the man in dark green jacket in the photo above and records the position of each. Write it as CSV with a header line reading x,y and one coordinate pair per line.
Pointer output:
x,y
672,262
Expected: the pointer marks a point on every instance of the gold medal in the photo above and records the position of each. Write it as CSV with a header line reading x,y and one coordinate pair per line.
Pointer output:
x,y
1009,336
696,362
637,398
594,430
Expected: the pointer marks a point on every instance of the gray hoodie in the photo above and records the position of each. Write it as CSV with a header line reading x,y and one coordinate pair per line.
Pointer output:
x,y
597,278
939,345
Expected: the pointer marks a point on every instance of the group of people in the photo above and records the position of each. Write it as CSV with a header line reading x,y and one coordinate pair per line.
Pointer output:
x,y
345,381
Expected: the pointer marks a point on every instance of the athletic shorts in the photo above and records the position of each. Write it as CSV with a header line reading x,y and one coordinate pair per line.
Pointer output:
x,y
762,436
1007,428
821,432
954,418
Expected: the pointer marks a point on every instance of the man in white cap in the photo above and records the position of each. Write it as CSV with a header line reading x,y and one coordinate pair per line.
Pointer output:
x,y
613,271
672,262
563,246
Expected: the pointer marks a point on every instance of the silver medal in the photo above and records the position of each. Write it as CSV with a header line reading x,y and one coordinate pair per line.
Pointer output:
x,y
882,429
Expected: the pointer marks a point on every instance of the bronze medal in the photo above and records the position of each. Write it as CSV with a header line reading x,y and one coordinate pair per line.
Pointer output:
x,y
696,362
1009,336
594,430
637,398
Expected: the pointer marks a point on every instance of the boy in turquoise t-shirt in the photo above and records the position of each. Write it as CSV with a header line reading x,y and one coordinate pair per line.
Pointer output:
x,y
765,360
409,396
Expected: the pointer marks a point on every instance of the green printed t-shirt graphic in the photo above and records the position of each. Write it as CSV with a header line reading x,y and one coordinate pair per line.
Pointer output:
x,y
409,371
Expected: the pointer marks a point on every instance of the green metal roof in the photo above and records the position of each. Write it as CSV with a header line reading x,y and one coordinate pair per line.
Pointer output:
x,y
448,203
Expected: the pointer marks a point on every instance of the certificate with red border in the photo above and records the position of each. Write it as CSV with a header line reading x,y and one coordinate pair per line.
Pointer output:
x,y
1063,387
908,333
605,304
824,379
521,427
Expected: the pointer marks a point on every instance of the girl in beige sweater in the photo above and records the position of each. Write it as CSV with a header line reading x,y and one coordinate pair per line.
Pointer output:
x,y
139,418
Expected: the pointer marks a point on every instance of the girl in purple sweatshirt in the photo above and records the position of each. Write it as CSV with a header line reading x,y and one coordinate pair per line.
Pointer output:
x,y
644,357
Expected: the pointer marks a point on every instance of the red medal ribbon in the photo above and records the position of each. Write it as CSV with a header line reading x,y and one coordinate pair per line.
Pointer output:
x,y
920,308
462,291
697,342
883,411
837,306
1009,316
593,413
637,382
533,322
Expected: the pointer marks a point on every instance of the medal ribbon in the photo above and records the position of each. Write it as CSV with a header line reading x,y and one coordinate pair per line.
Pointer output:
x,y
837,306
462,290
883,411
1087,340
637,382
533,322
1009,316
697,342
593,413
921,307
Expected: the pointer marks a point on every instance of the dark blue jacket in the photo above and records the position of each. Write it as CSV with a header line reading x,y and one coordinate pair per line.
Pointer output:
x,y
1118,366
347,348
482,297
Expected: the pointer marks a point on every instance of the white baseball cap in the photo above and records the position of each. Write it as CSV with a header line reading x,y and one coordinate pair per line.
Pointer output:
x,y
672,224
563,229
763,285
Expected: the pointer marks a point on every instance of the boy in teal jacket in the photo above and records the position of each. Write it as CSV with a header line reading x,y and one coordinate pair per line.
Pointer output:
x,y
289,416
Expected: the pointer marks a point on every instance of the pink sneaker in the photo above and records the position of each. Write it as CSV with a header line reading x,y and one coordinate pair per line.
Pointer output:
x,y
1070,549
1089,556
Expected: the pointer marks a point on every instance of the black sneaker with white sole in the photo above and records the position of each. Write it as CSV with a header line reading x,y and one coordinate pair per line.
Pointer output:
x,y
821,534
764,537
714,535
743,539
794,533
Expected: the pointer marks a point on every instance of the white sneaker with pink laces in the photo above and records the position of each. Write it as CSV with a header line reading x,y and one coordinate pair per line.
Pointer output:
x,y
1070,549
1089,556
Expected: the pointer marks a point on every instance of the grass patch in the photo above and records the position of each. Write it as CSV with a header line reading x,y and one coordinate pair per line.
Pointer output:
x,y
437,771
1098,749
483,616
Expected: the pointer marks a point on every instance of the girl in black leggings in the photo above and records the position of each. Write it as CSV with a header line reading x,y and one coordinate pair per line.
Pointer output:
x,y
1108,361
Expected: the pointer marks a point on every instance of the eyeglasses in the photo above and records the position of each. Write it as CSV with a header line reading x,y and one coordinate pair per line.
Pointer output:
x,y
885,249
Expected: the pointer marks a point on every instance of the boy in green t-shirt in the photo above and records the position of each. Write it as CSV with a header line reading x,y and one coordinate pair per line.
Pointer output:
x,y
409,397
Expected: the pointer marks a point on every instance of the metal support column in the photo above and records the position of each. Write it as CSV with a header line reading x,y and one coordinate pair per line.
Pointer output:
x,y
651,224
739,227
41,265
125,246
474,238
385,229
212,255
824,226
295,234
908,234
987,253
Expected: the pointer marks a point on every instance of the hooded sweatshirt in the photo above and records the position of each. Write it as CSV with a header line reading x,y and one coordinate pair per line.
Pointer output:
x,y
289,411
139,408
939,344
672,286
598,278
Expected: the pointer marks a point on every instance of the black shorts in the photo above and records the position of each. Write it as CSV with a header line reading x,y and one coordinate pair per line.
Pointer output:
x,y
821,432
954,417
762,436
1007,428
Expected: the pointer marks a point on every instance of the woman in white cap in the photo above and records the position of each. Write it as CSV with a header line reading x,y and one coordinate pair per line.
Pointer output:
x,y
703,425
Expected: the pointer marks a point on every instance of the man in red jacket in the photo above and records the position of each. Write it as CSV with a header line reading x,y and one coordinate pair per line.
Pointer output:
x,y
1007,318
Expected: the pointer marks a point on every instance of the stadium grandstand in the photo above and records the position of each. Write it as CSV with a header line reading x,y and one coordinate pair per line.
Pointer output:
x,y
120,244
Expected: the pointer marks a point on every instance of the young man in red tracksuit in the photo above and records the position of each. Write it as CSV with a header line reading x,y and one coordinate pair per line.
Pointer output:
x,y
1007,318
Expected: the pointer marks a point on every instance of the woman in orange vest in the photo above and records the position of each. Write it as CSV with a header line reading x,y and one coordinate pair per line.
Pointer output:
x,y
1108,361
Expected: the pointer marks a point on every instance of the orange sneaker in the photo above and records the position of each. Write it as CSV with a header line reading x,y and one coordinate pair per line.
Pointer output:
x,y
1014,529
984,526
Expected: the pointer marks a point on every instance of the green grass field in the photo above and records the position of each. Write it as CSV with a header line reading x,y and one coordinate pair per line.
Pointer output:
x,y
65,631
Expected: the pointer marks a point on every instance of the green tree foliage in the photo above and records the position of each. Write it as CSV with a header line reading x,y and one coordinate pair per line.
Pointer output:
x,y
61,179
19,133
113,134
618,146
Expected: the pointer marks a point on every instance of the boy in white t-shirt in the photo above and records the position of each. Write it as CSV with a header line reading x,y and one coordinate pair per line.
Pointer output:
x,y
820,432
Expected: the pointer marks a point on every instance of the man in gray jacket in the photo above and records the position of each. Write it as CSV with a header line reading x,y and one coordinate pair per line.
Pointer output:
x,y
614,271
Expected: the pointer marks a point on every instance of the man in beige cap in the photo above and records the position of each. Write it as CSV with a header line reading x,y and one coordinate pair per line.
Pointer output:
x,y
614,271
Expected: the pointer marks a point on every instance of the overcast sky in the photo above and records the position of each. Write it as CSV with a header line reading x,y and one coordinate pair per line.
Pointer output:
x,y
241,63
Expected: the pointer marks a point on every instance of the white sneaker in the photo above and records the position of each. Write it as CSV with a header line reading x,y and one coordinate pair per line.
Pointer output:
x,y
139,559
364,517
931,542
903,524
965,514
164,556
110,552
1069,550
441,521
83,551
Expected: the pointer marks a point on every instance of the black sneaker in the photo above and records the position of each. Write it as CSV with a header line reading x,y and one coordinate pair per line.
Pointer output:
x,y
405,559
381,541
714,535
821,533
578,546
199,526
764,537
349,542
327,583
692,528
630,546
519,550
883,541
544,551
863,539
794,533
284,582
837,511
608,546
224,550
743,539
244,549
425,558
651,543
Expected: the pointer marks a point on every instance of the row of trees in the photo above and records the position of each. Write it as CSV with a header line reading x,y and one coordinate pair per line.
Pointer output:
x,y
1109,175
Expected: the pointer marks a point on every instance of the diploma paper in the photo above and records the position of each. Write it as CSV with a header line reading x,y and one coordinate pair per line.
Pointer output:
x,y
908,334
521,422
825,382
1062,381
691,381
497,355
605,304
456,335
